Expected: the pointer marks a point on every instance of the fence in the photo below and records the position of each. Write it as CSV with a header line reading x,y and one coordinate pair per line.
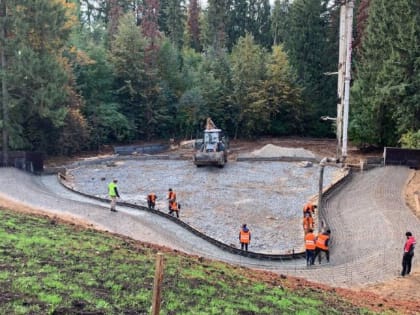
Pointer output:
x,y
398,156
29,161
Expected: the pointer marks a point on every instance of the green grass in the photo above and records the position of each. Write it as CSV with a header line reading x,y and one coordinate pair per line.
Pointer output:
x,y
48,268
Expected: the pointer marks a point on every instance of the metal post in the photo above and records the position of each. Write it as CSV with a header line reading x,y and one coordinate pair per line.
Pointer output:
x,y
340,83
321,184
347,78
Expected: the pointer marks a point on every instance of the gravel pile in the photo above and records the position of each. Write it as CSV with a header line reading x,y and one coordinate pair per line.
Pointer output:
x,y
273,151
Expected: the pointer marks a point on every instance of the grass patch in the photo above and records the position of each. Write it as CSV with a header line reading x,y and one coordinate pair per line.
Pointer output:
x,y
61,269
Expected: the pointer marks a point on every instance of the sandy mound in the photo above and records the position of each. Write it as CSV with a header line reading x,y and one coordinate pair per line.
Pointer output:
x,y
271,151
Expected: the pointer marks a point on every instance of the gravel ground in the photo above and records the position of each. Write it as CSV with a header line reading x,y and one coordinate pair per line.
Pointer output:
x,y
368,219
268,196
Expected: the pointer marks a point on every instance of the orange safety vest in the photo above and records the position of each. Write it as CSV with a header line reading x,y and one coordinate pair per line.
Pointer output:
x,y
174,206
151,197
172,195
308,222
321,241
310,241
244,236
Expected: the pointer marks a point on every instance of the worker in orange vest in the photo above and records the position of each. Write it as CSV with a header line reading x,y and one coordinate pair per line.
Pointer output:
x,y
309,207
308,222
171,197
310,246
244,237
322,246
174,207
151,200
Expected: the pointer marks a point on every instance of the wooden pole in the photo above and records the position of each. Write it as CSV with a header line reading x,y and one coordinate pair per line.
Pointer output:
x,y
157,285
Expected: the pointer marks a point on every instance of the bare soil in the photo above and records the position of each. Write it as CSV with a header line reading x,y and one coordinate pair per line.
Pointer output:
x,y
401,294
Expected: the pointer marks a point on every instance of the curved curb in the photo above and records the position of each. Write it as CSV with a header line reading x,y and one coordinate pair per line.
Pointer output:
x,y
233,250
331,191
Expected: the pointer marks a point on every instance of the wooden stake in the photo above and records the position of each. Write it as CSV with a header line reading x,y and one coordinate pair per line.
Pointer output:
x,y
157,285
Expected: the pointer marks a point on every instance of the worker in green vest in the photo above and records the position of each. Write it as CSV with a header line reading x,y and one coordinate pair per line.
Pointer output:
x,y
113,194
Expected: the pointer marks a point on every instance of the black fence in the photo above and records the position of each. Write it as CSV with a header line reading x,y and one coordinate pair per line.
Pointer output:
x,y
398,156
29,161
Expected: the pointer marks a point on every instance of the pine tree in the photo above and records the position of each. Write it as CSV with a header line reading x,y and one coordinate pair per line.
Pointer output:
x,y
216,17
172,20
248,72
279,21
129,63
281,97
237,25
193,26
386,90
43,101
312,52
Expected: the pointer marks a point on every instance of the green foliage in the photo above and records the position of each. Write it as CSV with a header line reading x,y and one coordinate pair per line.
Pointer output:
x,y
248,73
282,97
80,74
386,90
279,22
215,20
172,19
128,62
312,51
410,140
39,78
62,269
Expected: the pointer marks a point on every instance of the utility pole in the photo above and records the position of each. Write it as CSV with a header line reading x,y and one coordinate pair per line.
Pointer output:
x,y
347,77
344,76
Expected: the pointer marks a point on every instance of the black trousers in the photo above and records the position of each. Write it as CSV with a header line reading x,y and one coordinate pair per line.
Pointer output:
x,y
244,245
176,211
310,257
406,264
319,251
150,204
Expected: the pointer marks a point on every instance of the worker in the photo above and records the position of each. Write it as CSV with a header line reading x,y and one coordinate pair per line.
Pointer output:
x,y
408,254
171,197
322,246
174,207
113,194
151,200
309,207
308,222
310,247
244,237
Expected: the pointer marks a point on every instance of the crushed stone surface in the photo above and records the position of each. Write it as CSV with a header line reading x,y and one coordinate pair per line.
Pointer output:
x,y
267,196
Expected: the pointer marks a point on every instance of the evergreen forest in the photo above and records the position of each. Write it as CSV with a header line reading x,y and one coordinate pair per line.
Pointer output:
x,y
78,74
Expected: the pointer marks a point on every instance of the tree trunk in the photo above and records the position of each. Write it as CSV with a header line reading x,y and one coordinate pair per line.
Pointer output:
x,y
4,95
